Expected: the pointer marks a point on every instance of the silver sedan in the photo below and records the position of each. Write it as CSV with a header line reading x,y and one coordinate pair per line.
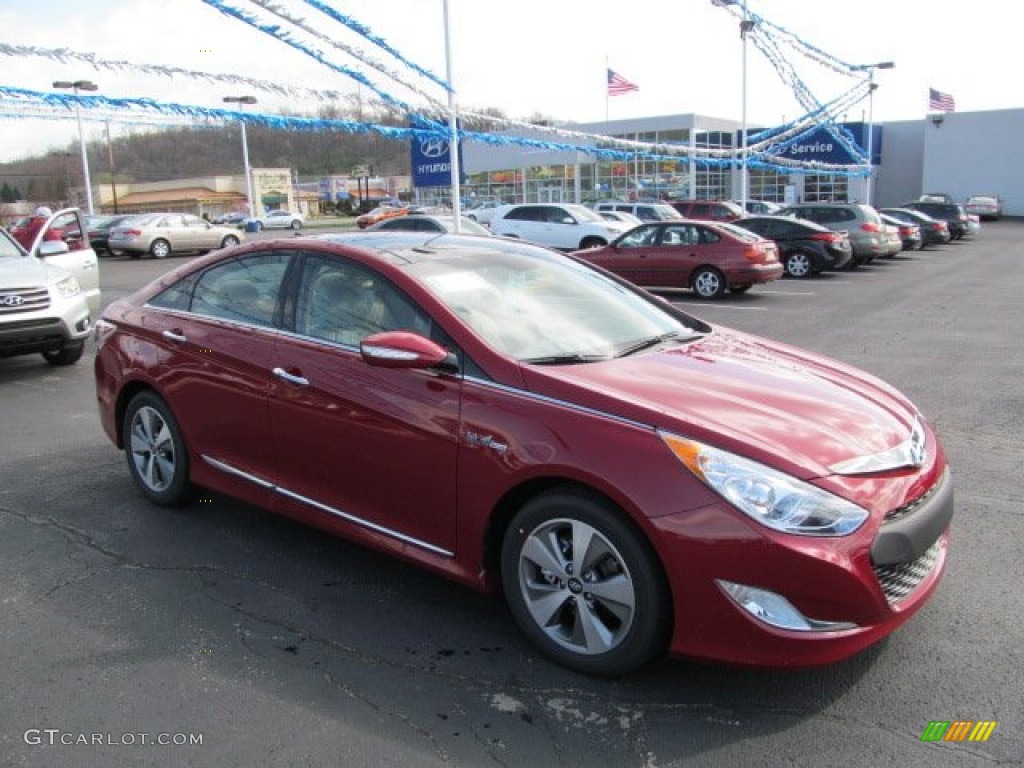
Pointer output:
x,y
160,234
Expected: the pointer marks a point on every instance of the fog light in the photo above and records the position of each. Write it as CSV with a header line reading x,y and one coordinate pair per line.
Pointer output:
x,y
777,611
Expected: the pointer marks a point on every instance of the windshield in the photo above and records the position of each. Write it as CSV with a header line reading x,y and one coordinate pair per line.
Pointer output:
x,y
541,308
585,214
9,248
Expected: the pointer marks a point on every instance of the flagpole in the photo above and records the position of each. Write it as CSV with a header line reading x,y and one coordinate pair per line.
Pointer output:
x,y
606,96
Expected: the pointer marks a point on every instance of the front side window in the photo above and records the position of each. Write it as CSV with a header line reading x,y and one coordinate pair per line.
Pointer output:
x,y
343,302
639,237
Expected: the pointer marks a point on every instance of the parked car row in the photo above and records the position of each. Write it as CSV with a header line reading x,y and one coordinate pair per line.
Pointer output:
x,y
654,244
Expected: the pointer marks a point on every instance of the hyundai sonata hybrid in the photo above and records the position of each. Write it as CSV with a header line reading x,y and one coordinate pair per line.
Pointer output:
x,y
634,480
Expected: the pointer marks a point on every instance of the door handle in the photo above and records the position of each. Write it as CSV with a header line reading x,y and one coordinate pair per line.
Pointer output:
x,y
281,373
175,335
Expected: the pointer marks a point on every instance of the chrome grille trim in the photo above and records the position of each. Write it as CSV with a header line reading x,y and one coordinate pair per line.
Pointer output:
x,y
29,299
899,581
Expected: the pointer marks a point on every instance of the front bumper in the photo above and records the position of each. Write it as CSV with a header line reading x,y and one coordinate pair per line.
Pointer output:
x,y
858,589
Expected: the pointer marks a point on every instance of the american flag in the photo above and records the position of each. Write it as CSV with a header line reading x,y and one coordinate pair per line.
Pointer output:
x,y
618,85
940,101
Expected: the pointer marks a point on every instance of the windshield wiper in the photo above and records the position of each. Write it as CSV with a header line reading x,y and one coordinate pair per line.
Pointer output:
x,y
569,359
654,341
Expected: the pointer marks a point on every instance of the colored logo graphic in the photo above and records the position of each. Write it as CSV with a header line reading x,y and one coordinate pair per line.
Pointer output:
x,y
959,730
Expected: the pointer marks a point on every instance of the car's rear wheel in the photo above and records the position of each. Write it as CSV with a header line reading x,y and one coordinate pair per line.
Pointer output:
x,y
584,585
296,224
69,354
592,242
799,265
156,452
160,249
708,283
228,241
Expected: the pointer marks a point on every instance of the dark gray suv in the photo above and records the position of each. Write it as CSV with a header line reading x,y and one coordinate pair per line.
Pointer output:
x,y
861,222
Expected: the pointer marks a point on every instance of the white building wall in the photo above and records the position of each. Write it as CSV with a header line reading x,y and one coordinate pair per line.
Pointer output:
x,y
970,153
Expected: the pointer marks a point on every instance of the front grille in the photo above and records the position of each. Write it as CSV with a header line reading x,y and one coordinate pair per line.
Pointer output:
x,y
15,300
899,581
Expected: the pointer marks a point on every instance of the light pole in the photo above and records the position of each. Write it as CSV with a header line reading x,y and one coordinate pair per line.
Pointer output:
x,y
453,126
241,101
113,168
76,86
746,25
870,69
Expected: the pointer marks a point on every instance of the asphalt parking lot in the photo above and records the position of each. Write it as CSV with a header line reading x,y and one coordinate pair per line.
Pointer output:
x,y
130,632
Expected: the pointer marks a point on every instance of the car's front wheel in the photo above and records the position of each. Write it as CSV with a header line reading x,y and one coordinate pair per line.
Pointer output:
x,y
584,585
156,452
592,242
296,224
69,354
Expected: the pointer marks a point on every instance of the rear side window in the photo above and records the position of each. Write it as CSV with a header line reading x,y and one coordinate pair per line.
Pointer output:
x,y
242,290
526,213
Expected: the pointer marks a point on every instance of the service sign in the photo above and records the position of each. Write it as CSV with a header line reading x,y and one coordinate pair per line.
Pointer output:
x,y
821,146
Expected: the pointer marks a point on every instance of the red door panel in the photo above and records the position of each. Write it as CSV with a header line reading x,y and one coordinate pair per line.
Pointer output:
x,y
376,444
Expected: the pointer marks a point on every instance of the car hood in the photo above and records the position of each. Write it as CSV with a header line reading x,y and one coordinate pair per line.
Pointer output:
x,y
24,272
792,409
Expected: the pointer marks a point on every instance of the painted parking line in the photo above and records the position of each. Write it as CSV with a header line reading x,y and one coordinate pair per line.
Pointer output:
x,y
706,305
772,292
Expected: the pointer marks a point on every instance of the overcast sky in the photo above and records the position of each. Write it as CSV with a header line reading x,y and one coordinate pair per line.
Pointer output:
x,y
525,56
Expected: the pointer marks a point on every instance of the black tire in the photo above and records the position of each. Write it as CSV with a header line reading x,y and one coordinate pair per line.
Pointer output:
x,y
296,224
155,450
800,265
160,249
592,242
228,241
708,283
616,587
69,354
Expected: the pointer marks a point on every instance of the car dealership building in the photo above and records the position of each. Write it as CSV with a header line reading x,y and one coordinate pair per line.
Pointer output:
x,y
958,153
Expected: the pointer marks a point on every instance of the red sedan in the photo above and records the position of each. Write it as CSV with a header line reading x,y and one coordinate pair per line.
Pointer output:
x,y
634,479
706,256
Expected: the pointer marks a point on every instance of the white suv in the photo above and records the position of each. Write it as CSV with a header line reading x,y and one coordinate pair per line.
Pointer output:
x,y
48,298
565,226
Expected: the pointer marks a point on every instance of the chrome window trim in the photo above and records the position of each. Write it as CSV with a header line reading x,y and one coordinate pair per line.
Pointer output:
x,y
389,532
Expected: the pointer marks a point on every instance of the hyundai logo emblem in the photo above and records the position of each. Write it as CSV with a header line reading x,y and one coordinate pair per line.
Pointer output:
x,y
433,147
12,301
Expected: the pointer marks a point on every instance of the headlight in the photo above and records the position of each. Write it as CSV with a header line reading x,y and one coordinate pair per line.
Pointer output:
x,y
69,287
770,497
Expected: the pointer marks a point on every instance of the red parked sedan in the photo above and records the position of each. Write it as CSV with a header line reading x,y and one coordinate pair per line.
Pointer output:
x,y
706,256
635,479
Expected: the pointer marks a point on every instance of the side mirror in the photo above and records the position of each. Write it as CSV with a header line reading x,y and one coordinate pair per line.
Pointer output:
x,y
401,349
52,248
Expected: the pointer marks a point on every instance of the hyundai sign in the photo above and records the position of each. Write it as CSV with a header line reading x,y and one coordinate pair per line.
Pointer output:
x,y
432,162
